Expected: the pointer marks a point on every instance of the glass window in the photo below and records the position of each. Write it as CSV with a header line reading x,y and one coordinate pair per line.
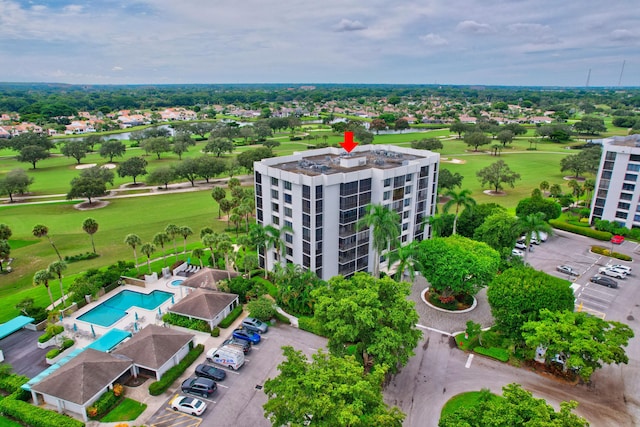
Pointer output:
x,y
306,191
405,214
289,251
630,177
306,234
387,182
318,233
398,181
407,202
274,181
611,155
318,191
258,177
287,198
629,187
288,238
623,205
408,189
622,215
275,207
275,220
633,168
287,185
288,224
365,185
409,177
634,157
288,212
625,196
387,195
274,194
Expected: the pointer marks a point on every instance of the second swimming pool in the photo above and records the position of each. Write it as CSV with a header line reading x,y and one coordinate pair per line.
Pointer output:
x,y
115,308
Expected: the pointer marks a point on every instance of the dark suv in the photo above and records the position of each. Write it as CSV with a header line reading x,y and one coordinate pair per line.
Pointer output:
x,y
199,385
242,344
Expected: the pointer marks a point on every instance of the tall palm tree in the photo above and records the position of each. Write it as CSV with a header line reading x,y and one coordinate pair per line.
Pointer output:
x,y
90,226
461,199
56,268
148,249
198,253
588,186
405,257
173,231
42,277
39,231
275,239
133,240
224,245
532,225
185,231
385,230
161,239
210,240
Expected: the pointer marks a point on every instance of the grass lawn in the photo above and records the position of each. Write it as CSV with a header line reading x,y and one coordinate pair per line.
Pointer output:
x,y
127,410
464,400
5,422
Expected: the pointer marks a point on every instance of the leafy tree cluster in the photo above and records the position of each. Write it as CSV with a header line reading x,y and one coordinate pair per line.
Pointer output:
x,y
497,174
586,160
427,144
16,181
295,286
590,125
536,203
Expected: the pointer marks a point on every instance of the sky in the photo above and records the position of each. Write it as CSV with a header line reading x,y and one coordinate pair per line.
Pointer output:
x,y
464,42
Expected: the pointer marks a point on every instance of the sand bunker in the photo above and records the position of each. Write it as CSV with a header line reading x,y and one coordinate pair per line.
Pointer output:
x,y
87,166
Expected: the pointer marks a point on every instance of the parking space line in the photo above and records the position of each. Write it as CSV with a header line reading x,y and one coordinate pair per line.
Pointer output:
x,y
222,385
582,301
599,291
469,360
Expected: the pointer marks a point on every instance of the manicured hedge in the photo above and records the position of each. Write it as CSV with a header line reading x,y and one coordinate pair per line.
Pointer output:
x,y
589,232
215,332
12,382
282,318
57,329
159,387
227,321
35,416
81,257
606,252
104,404
495,353
310,324
185,322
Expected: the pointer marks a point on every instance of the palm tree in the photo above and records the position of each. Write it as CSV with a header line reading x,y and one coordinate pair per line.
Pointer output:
x,y
173,231
185,231
198,253
218,193
275,239
404,255
148,249
458,199
42,277
385,230
40,231
133,240
90,226
160,239
56,268
544,186
236,219
210,240
588,186
532,225
224,245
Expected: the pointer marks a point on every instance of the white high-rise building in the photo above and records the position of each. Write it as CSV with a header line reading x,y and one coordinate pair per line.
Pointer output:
x,y
321,194
617,192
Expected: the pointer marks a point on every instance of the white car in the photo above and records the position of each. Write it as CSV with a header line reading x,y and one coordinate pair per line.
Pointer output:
x,y
612,272
517,252
624,268
520,245
188,405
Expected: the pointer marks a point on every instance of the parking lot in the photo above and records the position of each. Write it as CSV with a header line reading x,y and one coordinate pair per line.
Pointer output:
x,y
239,398
574,251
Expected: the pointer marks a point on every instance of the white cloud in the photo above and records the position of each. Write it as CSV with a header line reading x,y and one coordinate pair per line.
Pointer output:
x,y
117,68
475,27
434,40
623,35
349,25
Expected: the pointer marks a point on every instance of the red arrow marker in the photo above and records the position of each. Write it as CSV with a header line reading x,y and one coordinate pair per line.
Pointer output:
x,y
348,144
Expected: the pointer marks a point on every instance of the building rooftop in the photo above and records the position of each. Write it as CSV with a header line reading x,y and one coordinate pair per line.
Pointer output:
x,y
625,141
330,161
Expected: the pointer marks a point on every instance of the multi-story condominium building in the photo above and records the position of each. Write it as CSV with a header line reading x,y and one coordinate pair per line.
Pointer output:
x,y
617,192
321,194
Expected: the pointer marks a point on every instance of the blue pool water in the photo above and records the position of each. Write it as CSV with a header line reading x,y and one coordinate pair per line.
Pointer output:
x,y
115,308
177,282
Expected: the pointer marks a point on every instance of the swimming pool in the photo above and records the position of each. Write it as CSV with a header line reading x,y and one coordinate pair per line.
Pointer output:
x,y
115,308
177,282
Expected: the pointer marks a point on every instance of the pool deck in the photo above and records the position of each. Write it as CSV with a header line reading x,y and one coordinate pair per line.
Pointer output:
x,y
85,333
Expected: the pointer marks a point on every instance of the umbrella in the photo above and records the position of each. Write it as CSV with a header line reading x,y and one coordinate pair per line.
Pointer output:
x,y
61,317
75,328
93,332
136,315
135,326
189,260
159,312
172,300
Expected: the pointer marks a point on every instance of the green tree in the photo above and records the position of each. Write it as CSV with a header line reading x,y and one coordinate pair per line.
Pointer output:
x,y
457,265
27,139
188,169
496,174
516,129
173,231
56,268
103,174
76,149
401,124
262,308
42,277
295,286
378,125
210,240
133,167
459,128
161,176
198,253
500,231
247,158
505,137
5,251
133,241
470,219
458,199
209,167
161,239
91,141
586,341
405,256
90,226
518,294
112,148
532,225
218,146
517,408
181,143
86,187
157,145
15,182
476,139
534,204
314,393
275,240
372,314
40,231
384,225
428,144
148,249
185,231
448,180
218,193
590,125
32,154
5,232
544,186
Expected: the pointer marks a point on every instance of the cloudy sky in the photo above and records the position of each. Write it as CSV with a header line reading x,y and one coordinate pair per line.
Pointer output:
x,y
491,42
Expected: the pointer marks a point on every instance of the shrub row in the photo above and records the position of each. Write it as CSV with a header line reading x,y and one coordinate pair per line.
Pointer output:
x,y
589,232
81,257
227,321
310,324
282,318
495,353
185,322
104,404
68,342
35,416
12,382
55,330
215,332
606,252
159,387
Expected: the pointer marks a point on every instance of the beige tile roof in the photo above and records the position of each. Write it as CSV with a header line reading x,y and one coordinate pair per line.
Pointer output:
x,y
83,376
208,278
203,304
153,346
